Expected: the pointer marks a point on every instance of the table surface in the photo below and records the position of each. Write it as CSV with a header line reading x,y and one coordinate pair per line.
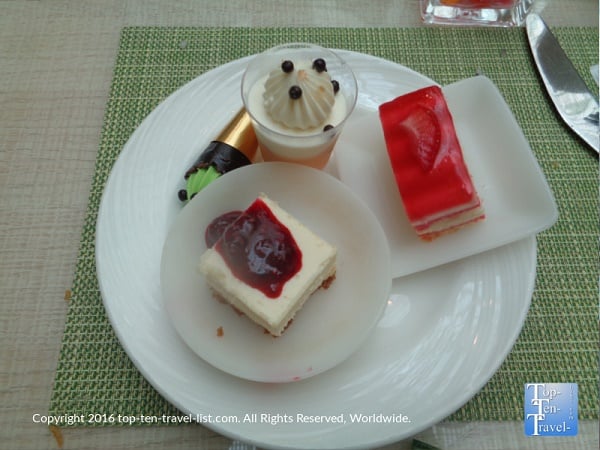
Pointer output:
x,y
56,65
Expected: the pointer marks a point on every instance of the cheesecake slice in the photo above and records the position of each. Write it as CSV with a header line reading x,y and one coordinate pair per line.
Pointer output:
x,y
266,264
427,160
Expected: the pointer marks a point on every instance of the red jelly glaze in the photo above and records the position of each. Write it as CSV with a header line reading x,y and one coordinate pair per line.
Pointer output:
x,y
447,184
215,229
259,250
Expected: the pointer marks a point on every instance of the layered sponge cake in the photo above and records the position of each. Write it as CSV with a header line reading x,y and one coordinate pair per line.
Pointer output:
x,y
427,160
266,263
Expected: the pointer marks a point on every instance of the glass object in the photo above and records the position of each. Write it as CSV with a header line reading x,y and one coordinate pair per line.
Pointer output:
x,y
502,13
310,135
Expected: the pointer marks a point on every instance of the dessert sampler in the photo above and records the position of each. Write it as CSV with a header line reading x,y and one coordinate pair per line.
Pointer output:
x,y
265,263
426,157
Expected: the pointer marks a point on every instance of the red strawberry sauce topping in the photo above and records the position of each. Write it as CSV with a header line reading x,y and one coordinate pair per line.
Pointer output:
x,y
258,249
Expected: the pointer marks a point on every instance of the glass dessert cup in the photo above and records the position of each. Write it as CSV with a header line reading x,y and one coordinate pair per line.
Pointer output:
x,y
500,13
277,142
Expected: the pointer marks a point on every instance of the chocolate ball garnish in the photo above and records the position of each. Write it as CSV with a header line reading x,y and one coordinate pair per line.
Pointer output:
x,y
295,92
336,86
319,65
287,66
327,127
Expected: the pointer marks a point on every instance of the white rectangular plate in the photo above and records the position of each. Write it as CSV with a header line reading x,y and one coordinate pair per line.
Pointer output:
x,y
515,194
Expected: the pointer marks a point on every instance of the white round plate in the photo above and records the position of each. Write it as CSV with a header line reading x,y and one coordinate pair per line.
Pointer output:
x,y
333,322
444,332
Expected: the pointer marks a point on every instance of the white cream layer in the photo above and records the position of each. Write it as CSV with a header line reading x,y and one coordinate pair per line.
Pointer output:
x,y
454,221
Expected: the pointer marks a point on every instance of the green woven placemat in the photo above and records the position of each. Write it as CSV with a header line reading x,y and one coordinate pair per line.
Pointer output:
x,y
559,342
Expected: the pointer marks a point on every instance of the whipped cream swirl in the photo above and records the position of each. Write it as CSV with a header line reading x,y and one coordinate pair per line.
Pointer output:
x,y
299,95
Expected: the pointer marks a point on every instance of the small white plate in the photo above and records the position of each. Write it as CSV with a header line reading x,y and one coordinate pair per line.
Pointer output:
x,y
332,324
515,195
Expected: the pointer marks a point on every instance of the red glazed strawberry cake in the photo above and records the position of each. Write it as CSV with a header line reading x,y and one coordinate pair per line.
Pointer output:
x,y
427,160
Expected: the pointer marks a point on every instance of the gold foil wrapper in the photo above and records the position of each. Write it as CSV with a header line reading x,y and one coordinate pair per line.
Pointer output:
x,y
239,134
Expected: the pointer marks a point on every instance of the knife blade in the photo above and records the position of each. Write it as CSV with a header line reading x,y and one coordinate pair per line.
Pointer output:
x,y
576,105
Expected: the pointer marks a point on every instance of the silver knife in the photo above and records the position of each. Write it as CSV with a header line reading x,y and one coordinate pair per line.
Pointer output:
x,y
571,96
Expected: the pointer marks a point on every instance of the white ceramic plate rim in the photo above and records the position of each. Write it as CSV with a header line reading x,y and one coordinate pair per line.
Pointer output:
x,y
334,321
140,191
